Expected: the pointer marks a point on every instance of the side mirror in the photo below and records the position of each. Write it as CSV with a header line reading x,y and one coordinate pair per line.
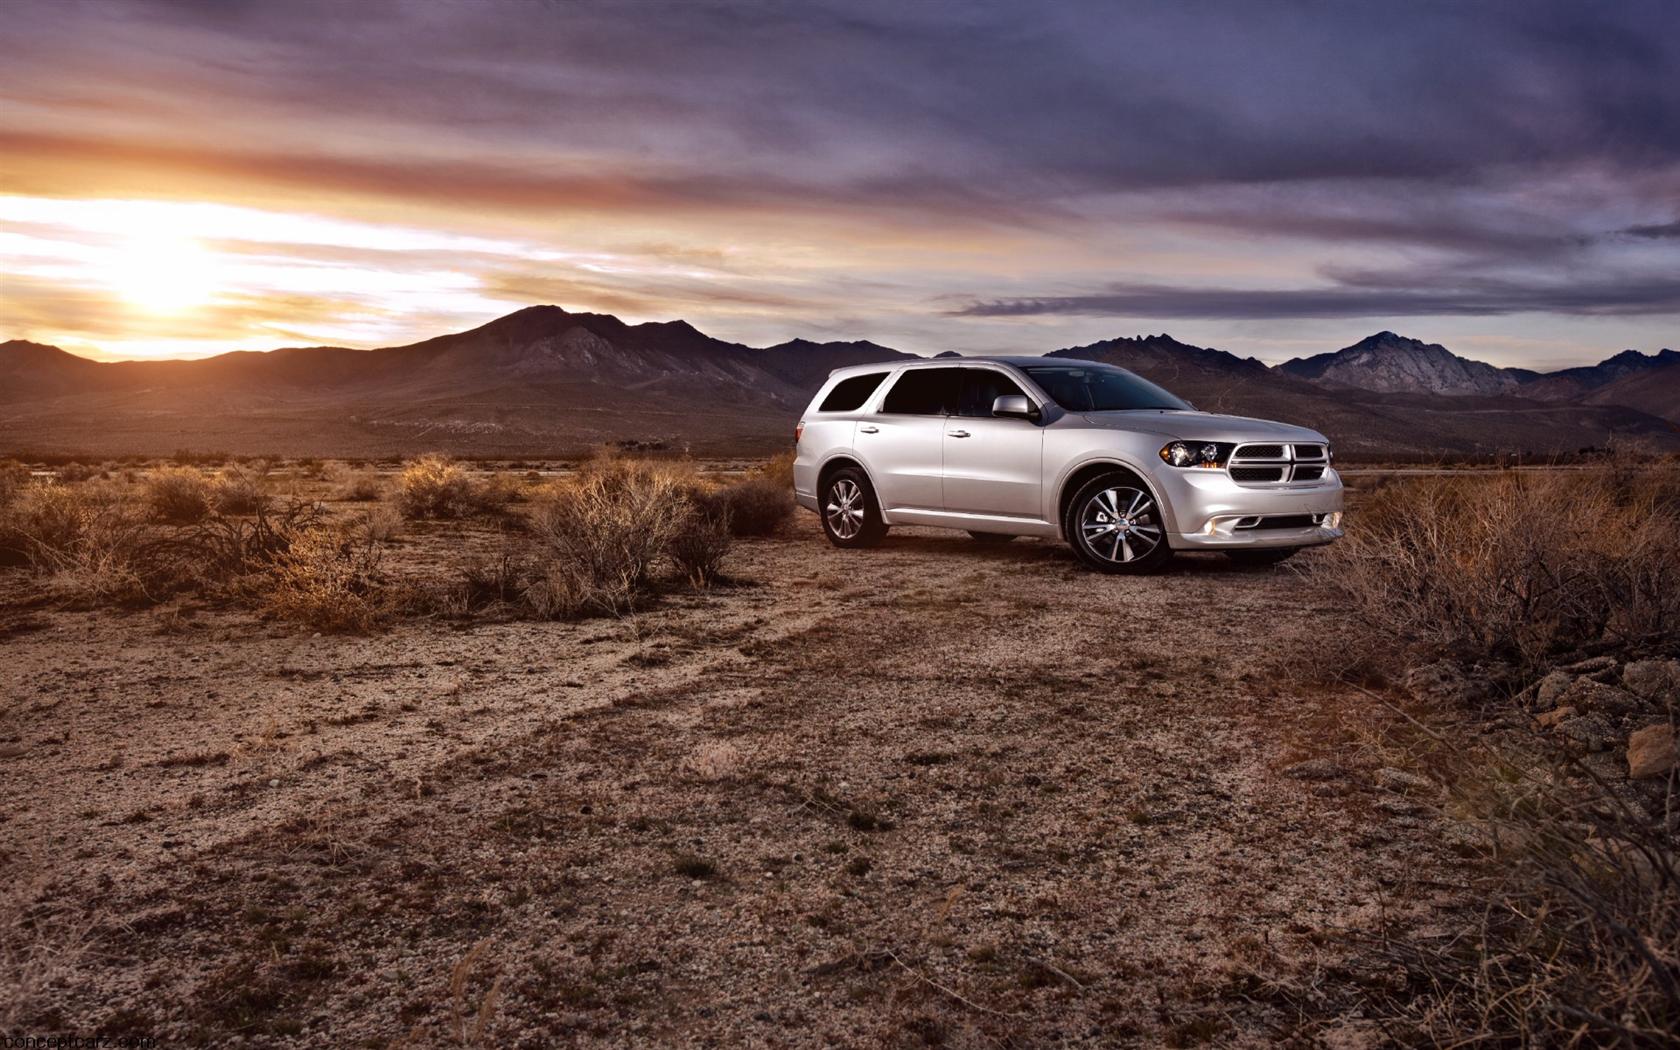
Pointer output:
x,y
1014,406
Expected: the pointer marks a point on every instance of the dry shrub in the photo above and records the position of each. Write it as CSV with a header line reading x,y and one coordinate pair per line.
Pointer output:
x,y
699,547
778,470
328,580
603,532
178,495
73,472
362,486
438,487
1519,566
1578,941
757,506
14,476
241,490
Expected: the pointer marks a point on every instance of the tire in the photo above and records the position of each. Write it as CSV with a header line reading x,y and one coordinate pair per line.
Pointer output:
x,y
1264,556
851,517
1114,525
992,538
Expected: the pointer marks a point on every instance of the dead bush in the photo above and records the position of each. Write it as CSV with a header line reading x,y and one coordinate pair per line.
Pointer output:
x,y
757,506
13,477
241,490
1578,941
73,472
329,581
178,495
362,486
699,547
778,470
1519,566
602,534
438,487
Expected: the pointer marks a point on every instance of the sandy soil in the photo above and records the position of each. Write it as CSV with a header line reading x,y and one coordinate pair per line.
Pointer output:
x,y
935,793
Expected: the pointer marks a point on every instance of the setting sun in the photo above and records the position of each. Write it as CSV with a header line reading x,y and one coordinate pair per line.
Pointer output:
x,y
163,273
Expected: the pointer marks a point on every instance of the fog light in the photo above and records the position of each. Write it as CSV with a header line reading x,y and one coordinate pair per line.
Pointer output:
x,y
1332,520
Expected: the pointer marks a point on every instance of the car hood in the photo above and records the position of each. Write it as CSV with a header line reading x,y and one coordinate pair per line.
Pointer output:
x,y
1202,426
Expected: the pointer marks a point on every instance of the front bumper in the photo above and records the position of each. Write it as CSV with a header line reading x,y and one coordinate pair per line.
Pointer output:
x,y
1209,511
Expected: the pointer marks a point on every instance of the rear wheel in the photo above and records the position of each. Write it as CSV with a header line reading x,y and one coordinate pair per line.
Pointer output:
x,y
1114,525
1263,556
991,537
850,515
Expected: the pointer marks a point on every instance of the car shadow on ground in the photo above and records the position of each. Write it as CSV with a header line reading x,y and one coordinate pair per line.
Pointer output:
x,y
1032,550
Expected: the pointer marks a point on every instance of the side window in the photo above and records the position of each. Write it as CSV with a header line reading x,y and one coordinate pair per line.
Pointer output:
x,y
924,392
850,393
982,386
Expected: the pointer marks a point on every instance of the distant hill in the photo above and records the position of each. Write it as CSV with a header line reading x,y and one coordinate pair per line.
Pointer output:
x,y
1654,390
1393,364
544,381
1572,384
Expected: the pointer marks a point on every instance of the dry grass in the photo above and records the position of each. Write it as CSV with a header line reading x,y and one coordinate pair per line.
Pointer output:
x,y
178,495
241,490
1573,938
757,506
328,580
438,487
1516,567
1570,930
604,533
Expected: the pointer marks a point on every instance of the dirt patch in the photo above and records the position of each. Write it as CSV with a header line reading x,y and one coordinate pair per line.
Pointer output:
x,y
932,793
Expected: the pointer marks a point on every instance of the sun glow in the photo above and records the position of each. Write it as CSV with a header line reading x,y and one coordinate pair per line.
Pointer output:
x,y
163,272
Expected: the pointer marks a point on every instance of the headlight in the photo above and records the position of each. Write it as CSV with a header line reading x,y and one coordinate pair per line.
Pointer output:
x,y
1205,454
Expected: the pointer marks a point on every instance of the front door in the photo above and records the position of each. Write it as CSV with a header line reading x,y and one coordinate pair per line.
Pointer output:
x,y
993,465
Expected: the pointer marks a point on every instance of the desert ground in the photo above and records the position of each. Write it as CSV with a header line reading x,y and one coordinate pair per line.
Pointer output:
x,y
936,793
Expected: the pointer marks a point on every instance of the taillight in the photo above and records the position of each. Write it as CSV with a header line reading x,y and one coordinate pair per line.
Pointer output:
x,y
798,431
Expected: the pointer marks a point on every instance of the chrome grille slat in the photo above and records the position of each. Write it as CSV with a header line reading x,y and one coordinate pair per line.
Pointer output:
x,y
1278,464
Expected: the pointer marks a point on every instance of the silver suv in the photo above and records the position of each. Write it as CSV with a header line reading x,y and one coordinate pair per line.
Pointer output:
x,y
1093,454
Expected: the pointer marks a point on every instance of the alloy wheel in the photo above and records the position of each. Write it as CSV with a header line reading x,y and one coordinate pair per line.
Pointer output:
x,y
1120,524
844,511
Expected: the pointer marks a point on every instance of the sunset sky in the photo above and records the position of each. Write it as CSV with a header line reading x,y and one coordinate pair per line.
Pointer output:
x,y
180,179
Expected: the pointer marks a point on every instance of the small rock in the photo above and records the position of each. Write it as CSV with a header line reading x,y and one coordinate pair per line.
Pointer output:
x,y
1588,695
1591,664
1446,683
1398,780
1651,752
274,783
1399,807
1315,769
1551,687
1547,719
1652,679
1590,732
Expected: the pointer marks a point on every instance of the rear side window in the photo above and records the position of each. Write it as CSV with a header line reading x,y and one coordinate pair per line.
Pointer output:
x,y
850,393
982,386
924,392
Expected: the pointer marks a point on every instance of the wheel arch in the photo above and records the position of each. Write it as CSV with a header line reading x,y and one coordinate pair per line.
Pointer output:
x,y
1095,468
840,461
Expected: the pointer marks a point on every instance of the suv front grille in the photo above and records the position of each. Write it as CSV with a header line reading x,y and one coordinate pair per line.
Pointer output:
x,y
1278,464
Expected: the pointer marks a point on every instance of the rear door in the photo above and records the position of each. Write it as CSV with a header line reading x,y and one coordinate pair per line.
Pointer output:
x,y
903,443
993,466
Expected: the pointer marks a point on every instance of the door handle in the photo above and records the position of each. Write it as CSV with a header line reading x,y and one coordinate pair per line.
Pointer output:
x,y
958,433
870,429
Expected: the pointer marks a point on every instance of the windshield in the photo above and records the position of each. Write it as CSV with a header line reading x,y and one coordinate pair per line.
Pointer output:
x,y
1099,388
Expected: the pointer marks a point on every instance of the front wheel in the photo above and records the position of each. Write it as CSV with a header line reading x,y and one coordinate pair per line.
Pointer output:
x,y
1114,525
850,515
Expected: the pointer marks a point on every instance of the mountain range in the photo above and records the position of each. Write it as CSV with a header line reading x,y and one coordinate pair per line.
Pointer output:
x,y
544,381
